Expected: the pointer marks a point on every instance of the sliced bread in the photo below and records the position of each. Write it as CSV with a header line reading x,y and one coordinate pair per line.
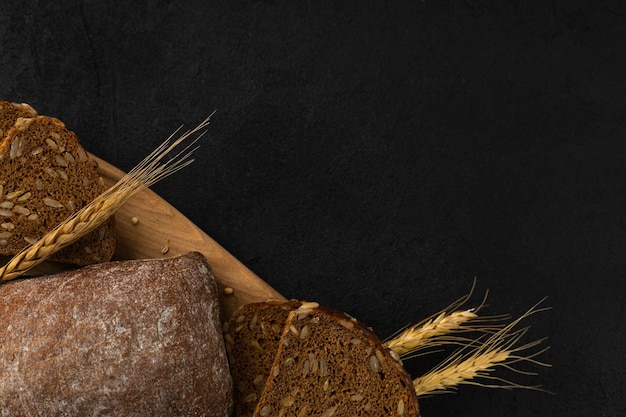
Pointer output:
x,y
252,336
324,363
45,176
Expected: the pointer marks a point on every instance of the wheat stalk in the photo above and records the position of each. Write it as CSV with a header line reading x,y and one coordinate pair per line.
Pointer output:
x,y
149,171
417,336
474,363
443,328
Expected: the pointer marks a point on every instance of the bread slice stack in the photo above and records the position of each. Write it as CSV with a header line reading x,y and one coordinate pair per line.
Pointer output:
x,y
324,363
46,176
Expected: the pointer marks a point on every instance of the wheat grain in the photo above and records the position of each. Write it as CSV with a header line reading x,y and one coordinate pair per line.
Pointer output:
x,y
474,363
149,171
443,328
416,336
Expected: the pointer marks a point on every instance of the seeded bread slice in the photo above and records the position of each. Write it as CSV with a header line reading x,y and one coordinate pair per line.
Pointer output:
x,y
10,112
45,176
252,336
329,364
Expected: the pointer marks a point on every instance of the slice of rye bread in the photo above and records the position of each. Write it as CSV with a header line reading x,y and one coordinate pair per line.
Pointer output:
x,y
45,176
329,364
252,335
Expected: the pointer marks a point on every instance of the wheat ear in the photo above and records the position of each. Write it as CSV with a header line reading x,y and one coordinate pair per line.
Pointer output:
x,y
149,171
474,363
443,328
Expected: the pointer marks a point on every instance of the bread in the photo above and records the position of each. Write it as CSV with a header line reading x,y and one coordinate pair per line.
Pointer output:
x,y
329,364
45,176
252,334
10,112
127,338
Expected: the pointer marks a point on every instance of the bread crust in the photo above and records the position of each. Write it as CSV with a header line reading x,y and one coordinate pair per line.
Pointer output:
x,y
128,338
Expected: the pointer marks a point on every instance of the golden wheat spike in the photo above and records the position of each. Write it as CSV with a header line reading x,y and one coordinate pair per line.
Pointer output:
x,y
149,171
444,327
474,363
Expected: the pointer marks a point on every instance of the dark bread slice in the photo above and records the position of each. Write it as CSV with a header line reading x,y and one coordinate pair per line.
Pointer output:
x,y
329,364
45,176
10,112
128,338
252,335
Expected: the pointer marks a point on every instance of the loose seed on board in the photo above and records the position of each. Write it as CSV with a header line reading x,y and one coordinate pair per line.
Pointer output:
x,y
134,220
165,249
228,291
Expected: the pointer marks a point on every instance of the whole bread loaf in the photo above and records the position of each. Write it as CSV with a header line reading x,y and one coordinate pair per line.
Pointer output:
x,y
128,338
45,176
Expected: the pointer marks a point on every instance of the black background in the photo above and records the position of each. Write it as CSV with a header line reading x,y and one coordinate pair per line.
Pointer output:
x,y
376,156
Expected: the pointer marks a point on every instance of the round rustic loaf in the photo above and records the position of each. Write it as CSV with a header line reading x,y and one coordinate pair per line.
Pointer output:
x,y
128,338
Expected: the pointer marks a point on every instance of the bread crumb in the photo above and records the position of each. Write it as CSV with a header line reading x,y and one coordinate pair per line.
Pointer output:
x,y
228,291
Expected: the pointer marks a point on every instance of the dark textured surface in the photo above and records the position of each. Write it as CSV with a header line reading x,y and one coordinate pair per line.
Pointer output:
x,y
376,156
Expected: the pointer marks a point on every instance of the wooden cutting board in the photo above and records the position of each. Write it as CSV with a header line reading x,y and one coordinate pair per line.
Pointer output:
x,y
159,230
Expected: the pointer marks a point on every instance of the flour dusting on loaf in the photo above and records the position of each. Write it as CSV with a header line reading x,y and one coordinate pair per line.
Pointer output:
x,y
128,338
